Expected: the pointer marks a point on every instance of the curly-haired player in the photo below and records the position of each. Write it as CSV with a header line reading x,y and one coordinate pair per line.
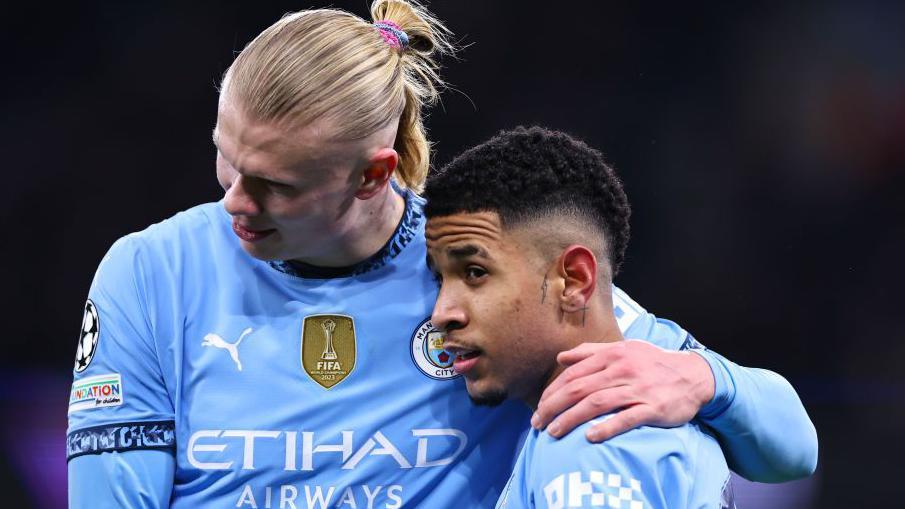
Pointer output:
x,y
526,232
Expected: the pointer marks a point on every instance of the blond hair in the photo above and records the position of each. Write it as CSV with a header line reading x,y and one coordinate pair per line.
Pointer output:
x,y
327,64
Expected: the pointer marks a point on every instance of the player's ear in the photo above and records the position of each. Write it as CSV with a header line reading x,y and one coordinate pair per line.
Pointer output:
x,y
577,268
377,174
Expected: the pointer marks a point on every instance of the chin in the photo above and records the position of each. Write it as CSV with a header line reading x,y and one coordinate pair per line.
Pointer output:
x,y
489,397
265,255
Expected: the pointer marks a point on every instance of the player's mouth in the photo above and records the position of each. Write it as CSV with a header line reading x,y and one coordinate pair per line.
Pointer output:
x,y
465,358
249,235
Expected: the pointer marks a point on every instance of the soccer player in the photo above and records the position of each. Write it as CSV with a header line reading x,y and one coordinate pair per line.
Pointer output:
x,y
275,349
526,232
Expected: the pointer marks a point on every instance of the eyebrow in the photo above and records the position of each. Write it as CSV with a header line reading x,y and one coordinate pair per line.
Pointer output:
x,y
465,251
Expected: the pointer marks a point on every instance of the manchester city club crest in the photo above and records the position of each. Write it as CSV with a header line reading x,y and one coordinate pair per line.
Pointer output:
x,y
328,348
428,353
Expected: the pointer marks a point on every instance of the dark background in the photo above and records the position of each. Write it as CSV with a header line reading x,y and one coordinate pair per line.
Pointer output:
x,y
763,148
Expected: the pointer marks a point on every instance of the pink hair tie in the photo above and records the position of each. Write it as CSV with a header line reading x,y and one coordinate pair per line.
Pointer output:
x,y
393,34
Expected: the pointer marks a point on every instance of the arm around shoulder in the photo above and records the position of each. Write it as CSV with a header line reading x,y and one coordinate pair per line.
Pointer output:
x,y
759,419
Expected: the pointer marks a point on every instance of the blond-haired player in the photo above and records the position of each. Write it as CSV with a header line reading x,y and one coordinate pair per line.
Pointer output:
x,y
274,349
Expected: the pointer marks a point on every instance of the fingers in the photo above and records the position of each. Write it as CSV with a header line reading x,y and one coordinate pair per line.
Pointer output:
x,y
580,352
620,422
568,389
594,405
583,360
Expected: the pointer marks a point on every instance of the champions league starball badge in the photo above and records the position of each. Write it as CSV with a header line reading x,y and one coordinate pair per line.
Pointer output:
x,y
428,353
88,336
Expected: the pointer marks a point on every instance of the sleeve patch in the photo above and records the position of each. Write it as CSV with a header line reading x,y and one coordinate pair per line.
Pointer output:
x,y
88,337
96,392
121,437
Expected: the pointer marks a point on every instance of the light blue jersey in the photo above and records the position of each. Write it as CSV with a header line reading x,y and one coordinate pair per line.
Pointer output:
x,y
645,468
207,378
281,391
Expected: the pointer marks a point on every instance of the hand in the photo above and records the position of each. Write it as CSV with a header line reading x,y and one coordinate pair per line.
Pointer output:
x,y
649,386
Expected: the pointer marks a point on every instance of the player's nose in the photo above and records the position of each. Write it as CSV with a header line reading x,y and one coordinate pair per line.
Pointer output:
x,y
448,312
238,201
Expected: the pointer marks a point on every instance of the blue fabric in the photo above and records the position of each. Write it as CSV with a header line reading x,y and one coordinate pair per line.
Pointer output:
x,y
387,434
650,468
174,300
765,431
135,479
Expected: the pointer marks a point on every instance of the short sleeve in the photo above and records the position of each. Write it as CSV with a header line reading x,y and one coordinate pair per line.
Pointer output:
x,y
119,400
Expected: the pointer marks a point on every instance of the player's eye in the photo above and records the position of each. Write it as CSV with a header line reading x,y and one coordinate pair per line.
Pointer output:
x,y
278,185
473,273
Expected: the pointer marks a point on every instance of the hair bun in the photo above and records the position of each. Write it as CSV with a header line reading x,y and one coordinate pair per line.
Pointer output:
x,y
426,34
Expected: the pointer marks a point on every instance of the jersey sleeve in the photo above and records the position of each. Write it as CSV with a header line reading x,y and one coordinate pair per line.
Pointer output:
x,y
119,400
137,479
756,414
641,468
761,423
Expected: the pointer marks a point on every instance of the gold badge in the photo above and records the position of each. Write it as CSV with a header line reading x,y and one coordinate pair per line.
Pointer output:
x,y
328,348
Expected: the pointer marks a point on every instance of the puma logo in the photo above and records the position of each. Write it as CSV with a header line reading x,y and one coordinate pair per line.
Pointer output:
x,y
233,348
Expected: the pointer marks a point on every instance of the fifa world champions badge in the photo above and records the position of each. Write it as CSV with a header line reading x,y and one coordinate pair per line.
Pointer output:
x,y
428,353
328,348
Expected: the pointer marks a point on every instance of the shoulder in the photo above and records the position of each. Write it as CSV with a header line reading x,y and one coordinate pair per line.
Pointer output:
x,y
646,464
199,222
181,232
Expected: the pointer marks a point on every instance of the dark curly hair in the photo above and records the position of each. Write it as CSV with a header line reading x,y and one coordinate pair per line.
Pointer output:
x,y
532,172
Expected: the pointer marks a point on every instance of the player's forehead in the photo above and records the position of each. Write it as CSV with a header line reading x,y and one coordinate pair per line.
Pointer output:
x,y
270,147
465,234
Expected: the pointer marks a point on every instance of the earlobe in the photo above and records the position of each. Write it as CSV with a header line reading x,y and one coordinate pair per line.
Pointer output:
x,y
578,270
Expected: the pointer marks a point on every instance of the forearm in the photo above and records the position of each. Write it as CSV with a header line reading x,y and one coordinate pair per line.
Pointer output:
x,y
761,423
134,479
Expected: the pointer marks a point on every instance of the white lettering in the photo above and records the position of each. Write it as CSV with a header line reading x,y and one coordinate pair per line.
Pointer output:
x,y
308,449
348,499
285,499
247,497
193,447
268,497
386,449
397,499
577,489
601,489
432,448
370,495
318,496
554,491
422,461
290,450
248,457
598,498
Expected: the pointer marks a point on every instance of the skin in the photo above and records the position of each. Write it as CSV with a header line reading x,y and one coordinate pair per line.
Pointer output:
x,y
327,203
298,194
510,306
